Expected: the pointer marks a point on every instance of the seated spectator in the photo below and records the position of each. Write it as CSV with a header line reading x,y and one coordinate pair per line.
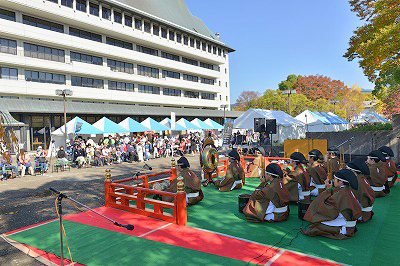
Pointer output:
x,y
106,155
98,156
62,155
40,159
79,156
25,163
6,163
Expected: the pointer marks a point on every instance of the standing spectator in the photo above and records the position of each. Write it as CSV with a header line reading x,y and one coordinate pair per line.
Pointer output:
x,y
90,152
98,156
139,150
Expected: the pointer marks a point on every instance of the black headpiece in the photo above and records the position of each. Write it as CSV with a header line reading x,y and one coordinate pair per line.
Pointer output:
x,y
316,154
274,170
234,155
333,150
298,157
388,152
347,176
261,150
359,166
183,162
377,155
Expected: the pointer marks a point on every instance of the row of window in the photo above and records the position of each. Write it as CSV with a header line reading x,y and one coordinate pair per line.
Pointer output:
x,y
84,58
8,73
94,9
8,46
44,77
43,52
120,66
148,71
98,38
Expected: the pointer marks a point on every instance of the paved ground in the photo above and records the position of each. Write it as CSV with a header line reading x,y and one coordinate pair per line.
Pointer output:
x,y
27,200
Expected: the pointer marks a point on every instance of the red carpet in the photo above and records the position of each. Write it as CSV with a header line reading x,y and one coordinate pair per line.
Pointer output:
x,y
193,238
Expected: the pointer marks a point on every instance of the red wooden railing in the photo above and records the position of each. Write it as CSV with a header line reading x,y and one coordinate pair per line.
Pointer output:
x,y
132,198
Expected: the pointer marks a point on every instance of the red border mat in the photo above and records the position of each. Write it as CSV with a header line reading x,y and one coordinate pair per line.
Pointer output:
x,y
186,237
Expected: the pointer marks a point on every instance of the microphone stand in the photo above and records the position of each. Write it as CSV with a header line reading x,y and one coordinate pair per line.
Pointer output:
x,y
61,196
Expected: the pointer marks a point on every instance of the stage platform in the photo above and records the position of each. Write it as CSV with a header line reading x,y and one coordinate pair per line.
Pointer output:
x,y
216,234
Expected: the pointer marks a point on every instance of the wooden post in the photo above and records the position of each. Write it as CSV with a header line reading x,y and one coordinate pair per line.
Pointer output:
x,y
173,170
146,182
107,186
181,213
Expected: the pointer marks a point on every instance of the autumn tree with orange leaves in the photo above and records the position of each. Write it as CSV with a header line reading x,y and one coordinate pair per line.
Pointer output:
x,y
318,87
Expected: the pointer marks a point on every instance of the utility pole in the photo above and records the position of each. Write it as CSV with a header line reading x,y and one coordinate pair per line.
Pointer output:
x,y
64,94
289,92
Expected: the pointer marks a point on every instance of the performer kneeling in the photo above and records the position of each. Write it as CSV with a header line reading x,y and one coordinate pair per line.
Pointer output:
x,y
335,211
256,168
194,194
377,177
364,194
269,202
391,168
234,178
297,181
317,172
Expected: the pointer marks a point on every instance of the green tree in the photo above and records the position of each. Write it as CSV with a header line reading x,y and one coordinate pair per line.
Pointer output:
x,y
376,44
288,83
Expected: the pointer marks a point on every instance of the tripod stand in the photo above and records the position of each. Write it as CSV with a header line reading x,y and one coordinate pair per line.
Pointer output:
x,y
60,197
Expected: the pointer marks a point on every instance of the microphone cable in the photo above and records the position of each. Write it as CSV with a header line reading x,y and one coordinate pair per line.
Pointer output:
x,y
276,245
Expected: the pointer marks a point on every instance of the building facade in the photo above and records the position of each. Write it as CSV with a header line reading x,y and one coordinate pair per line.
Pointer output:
x,y
149,54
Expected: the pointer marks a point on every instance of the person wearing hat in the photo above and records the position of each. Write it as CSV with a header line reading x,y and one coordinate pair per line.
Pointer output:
x,y
269,202
297,180
364,194
234,178
256,168
332,159
377,177
192,183
317,172
334,213
390,165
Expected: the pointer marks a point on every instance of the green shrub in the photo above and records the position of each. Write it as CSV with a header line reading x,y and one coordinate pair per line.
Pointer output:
x,y
371,127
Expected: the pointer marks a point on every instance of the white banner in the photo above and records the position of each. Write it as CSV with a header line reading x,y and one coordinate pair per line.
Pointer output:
x,y
173,118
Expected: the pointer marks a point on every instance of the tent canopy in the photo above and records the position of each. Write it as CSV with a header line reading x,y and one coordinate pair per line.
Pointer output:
x,y
108,126
167,122
77,126
246,120
332,118
212,123
308,117
132,126
369,117
186,124
201,124
153,124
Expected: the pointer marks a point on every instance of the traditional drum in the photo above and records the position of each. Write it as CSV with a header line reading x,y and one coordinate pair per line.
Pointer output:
x,y
209,159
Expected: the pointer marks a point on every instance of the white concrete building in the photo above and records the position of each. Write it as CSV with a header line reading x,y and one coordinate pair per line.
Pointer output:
x,y
126,52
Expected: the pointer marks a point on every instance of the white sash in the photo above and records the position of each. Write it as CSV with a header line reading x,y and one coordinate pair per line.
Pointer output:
x,y
237,182
367,209
377,189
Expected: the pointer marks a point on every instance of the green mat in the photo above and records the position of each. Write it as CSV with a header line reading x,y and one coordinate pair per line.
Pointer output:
x,y
94,246
374,244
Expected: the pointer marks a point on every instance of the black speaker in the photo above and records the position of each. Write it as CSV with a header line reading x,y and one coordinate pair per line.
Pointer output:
x,y
259,124
270,125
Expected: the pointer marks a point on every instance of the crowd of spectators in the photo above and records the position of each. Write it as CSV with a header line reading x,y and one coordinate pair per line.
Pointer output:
x,y
81,152
130,148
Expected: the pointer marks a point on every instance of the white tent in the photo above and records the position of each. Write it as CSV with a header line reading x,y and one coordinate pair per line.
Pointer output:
x,y
368,116
287,126
316,122
75,126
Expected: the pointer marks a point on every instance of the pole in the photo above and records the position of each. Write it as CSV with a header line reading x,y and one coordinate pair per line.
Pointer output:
x,y
289,102
65,121
224,113
59,206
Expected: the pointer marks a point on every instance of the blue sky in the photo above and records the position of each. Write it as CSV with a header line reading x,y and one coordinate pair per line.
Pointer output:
x,y
275,38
